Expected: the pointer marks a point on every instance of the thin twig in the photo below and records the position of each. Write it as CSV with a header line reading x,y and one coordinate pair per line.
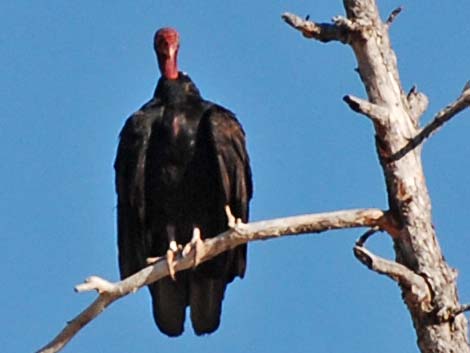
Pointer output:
x,y
463,308
393,15
364,237
448,314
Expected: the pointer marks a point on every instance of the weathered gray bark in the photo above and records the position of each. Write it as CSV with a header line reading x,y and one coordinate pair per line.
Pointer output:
x,y
434,307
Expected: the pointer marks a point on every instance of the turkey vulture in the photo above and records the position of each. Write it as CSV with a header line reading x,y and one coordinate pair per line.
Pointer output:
x,y
180,160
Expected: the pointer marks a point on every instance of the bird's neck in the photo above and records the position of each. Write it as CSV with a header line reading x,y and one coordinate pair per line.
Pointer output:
x,y
176,90
169,67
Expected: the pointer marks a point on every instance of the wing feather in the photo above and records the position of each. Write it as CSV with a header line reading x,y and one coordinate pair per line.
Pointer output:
x,y
229,144
129,166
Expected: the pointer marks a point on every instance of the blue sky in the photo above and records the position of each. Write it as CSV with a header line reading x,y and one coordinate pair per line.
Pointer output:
x,y
71,73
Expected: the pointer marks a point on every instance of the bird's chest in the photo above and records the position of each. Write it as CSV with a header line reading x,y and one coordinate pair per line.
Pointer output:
x,y
179,134
172,148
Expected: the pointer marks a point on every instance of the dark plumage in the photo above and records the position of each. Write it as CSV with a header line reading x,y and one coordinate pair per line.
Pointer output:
x,y
180,160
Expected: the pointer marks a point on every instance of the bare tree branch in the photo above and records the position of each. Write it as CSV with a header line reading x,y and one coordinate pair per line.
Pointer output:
x,y
199,251
324,32
375,112
462,102
416,284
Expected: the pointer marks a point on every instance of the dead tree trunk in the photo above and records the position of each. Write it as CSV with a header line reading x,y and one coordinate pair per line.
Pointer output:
x,y
427,282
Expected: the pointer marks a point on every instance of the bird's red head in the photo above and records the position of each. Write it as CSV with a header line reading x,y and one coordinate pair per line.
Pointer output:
x,y
166,44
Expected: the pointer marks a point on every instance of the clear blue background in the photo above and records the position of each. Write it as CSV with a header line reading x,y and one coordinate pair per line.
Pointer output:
x,y
71,73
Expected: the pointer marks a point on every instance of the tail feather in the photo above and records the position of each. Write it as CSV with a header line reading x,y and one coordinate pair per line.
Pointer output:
x,y
202,289
205,298
169,299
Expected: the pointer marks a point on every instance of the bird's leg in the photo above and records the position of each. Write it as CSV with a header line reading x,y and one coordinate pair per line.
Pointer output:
x,y
232,222
172,251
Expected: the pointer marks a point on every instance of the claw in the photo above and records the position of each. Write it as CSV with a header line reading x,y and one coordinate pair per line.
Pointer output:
x,y
170,258
171,254
151,260
231,221
196,245
173,246
196,240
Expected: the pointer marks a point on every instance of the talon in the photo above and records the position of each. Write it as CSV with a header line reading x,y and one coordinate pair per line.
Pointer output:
x,y
196,235
231,221
170,258
197,242
194,245
173,246
171,254
151,260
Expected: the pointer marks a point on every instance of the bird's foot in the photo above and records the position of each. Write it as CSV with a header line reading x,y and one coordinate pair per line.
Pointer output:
x,y
171,254
152,260
232,222
197,245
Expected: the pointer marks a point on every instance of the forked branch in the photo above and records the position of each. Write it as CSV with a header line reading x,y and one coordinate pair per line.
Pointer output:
x,y
416,284
199,251
462,102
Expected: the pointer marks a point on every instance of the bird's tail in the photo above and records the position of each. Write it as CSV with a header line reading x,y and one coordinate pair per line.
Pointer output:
x,y
205,299
169,300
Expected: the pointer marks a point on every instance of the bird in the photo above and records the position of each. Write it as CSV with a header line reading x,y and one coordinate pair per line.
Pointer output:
x,y
181,165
